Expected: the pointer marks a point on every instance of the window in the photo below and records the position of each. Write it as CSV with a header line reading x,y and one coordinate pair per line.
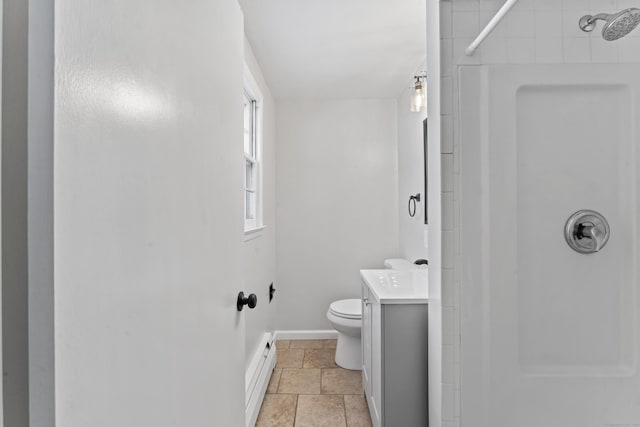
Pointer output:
x,y
252,156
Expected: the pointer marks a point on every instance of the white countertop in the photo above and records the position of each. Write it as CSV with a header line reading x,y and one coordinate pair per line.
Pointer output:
x,y
397,287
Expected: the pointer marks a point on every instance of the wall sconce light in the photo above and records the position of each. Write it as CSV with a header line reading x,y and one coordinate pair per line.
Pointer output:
x,y
418,93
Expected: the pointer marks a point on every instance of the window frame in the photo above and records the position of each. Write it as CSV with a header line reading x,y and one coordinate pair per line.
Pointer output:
x,y
252,92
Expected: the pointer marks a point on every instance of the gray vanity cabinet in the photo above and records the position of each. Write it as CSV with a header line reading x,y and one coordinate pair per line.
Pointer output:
x,y
394,361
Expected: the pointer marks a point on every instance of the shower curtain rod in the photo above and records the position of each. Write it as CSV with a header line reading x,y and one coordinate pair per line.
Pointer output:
x,y
490,26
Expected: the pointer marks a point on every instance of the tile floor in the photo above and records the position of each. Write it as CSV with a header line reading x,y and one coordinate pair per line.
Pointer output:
x,y
307,389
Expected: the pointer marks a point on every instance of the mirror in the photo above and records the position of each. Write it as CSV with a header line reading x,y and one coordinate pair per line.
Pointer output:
x,y
426,171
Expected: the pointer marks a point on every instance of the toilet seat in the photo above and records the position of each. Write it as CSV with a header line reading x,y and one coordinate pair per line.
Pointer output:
x,y
347,308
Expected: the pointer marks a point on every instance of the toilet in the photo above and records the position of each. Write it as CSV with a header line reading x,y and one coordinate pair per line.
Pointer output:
x,y
346,317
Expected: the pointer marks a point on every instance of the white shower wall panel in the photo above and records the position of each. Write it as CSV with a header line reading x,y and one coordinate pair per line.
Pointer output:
x,y
549,335
573,151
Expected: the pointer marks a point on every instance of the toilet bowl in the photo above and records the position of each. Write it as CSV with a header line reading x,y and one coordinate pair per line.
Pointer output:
x,y
346,317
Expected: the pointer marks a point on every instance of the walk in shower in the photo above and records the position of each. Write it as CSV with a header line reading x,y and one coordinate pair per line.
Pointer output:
x,y
549,308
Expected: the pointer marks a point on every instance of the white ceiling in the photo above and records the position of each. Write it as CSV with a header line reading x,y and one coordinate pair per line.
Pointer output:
x,y
337,48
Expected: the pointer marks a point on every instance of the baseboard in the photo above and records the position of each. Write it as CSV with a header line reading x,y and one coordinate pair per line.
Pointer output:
x,y
328,334
257,379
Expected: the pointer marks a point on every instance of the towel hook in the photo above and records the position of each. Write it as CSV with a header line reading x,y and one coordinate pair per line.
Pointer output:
x,y
415,199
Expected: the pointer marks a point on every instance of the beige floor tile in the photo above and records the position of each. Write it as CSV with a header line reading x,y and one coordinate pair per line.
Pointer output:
x,y
306,344
290,358
274,381
299,381
330,343
341,381
278,410
319,358
357,411
282,344
320,411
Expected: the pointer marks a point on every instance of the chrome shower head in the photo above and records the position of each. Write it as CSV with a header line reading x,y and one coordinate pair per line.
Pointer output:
x,y
617,25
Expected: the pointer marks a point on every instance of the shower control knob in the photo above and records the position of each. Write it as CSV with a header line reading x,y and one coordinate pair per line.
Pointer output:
x,y
251,301
586,231
594,232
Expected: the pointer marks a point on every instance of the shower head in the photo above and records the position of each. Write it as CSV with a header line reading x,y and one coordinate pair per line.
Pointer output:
x,y
617,25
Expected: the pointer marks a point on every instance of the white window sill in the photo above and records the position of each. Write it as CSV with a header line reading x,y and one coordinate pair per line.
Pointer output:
x,y
253,233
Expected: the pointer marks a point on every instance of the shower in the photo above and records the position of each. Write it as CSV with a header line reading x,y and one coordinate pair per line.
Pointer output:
x,y
617,25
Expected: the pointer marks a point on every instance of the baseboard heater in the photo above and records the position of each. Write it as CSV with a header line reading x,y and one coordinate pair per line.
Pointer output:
x,y
257,377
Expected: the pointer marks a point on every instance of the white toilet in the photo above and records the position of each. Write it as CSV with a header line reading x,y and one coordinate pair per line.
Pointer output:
x,y
346,317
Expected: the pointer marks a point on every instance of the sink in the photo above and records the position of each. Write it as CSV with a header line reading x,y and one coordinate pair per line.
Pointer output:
x,y
397,287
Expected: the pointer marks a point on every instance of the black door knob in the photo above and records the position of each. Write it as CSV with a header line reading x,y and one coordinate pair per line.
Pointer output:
x,y
251,301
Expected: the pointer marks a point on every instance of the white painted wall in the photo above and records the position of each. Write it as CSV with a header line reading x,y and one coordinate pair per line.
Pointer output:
x,y
148,214
259,248
411,179
41,64
337,193
437,295
1,352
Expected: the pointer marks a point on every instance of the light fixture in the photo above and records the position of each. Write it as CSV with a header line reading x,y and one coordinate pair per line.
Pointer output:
x,y
418,93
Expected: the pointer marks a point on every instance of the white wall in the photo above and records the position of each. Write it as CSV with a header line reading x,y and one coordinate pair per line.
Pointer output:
x,y
541,32
148,214
1,329
436,293
337,193
1,139
411,179
259,248
40,189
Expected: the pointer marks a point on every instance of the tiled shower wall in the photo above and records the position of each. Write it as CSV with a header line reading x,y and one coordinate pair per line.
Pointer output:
x,y
534,32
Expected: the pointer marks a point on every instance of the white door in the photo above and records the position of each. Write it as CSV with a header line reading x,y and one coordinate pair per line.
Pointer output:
x,y
549,335
148,213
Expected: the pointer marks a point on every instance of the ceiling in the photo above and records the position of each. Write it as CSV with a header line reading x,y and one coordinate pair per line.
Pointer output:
x,y
337,48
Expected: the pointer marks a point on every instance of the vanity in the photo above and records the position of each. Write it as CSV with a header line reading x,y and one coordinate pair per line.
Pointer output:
x,y
394,347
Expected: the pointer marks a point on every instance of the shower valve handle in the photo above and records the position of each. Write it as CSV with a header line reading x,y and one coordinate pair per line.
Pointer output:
x,y
587,231
594,232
